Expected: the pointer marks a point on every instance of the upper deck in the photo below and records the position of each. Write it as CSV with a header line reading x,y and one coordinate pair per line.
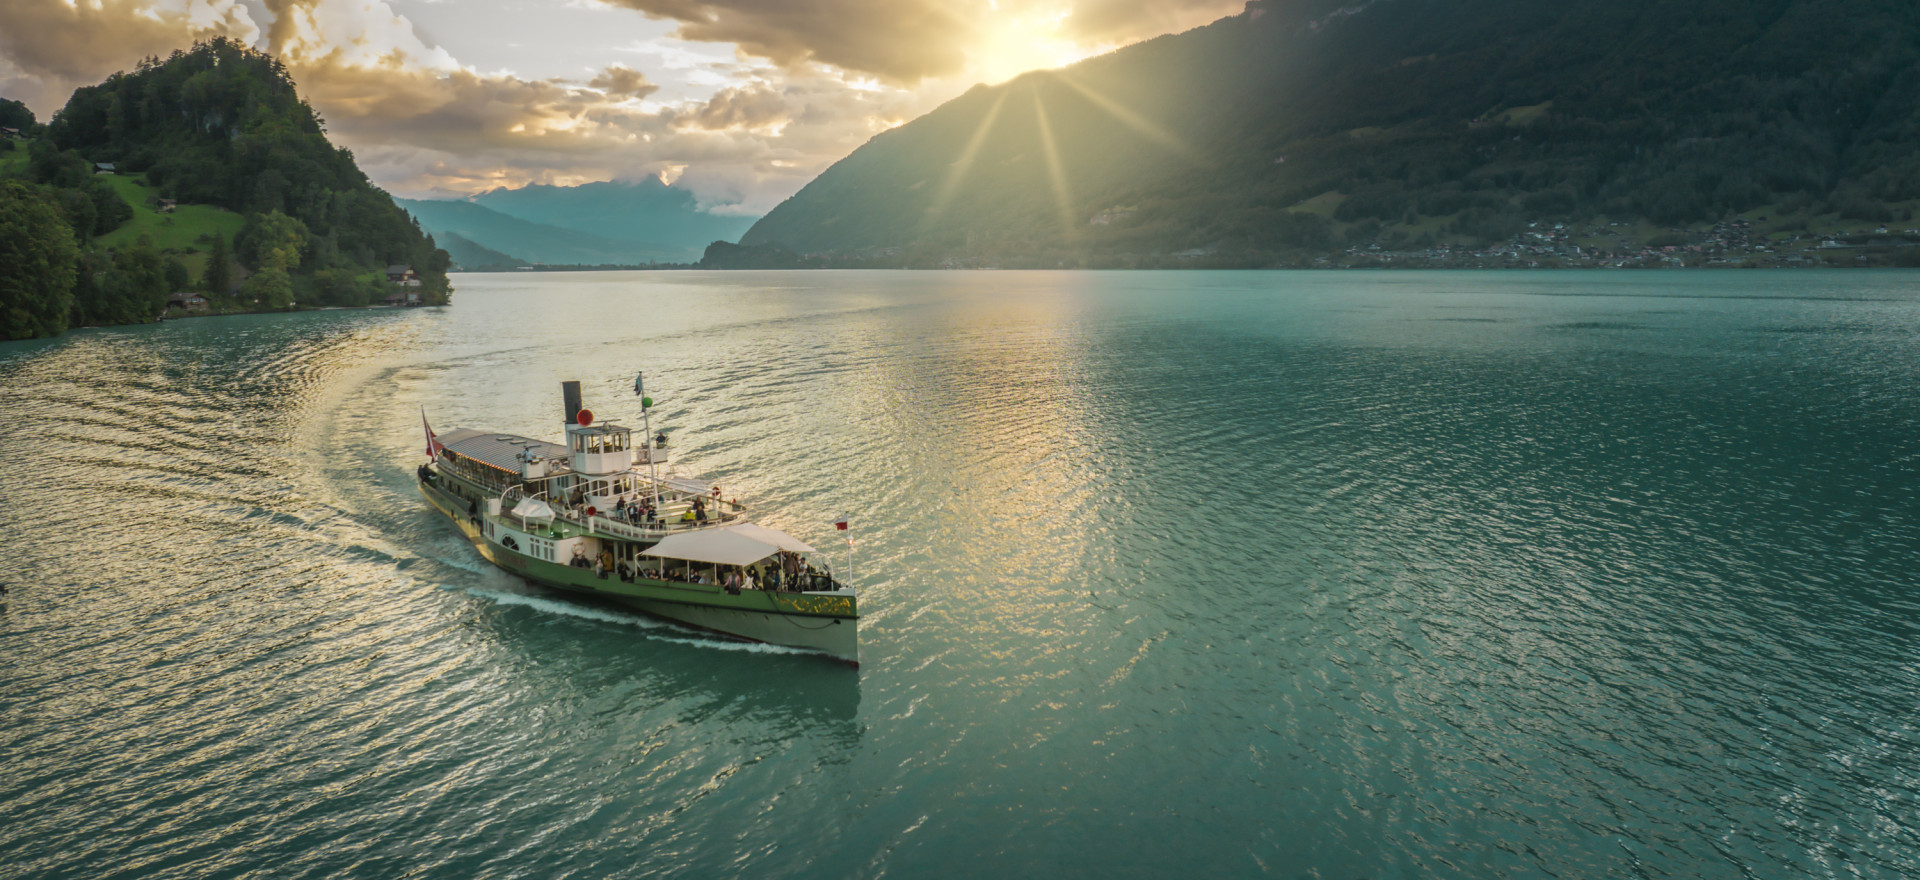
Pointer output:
x,y
512,467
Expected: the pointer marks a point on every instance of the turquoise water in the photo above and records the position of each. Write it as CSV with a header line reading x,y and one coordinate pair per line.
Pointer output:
x,y
1190,574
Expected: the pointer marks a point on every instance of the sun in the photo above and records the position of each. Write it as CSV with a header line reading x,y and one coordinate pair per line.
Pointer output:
x,y
1014,43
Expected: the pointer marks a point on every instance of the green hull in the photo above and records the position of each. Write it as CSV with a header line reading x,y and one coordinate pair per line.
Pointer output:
x,y
828,623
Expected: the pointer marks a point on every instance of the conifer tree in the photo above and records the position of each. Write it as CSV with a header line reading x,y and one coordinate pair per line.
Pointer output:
x,y
218,278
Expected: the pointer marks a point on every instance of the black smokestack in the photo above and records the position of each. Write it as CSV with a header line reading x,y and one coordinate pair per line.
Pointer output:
x,y
571,392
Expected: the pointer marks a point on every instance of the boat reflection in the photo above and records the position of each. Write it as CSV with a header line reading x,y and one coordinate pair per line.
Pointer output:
x,y
613,660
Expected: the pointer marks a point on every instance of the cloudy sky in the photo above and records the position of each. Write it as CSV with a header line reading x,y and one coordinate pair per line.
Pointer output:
x,y
742,101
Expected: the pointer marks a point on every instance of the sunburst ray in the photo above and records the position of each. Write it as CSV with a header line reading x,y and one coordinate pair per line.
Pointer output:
x,y
959,169
1063,200
1133,120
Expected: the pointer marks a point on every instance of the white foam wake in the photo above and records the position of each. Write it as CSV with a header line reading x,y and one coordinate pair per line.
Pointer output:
x,y
657,630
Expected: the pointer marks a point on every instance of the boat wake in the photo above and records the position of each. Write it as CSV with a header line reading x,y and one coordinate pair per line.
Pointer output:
x,y
656,630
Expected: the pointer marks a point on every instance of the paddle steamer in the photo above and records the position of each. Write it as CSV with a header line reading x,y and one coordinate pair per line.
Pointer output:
x,y
594,515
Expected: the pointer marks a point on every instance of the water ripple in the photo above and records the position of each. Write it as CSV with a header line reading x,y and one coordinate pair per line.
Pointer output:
x,y
1190,573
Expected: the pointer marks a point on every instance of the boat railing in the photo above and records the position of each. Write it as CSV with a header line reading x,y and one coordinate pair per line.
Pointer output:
x,y
679,571
670,521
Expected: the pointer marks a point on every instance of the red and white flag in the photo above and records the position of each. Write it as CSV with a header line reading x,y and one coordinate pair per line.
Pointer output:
x,y
840,524
433,443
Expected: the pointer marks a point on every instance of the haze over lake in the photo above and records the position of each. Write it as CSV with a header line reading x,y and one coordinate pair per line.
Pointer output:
x,y
1162,574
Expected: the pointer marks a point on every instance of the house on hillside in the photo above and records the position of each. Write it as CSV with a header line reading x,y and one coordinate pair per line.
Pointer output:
x,y
403,276
103,167
166,206
187,301
12,134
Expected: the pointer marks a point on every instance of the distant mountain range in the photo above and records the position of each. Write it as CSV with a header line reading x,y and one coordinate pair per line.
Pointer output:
x,y
470,257
1311,127
593,224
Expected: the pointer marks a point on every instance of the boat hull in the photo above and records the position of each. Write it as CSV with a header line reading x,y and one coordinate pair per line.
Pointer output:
x,y
823,622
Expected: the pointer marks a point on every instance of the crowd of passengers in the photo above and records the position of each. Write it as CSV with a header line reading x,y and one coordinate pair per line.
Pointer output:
x,y
783,572
641,512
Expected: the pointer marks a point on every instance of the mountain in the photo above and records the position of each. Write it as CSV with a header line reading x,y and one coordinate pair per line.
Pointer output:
x,y
535,242
648,212
1301,127
470,257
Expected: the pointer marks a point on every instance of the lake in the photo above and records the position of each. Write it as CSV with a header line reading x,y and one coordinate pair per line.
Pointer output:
x,y
1336,575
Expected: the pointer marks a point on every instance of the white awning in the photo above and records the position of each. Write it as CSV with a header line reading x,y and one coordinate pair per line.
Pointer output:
x,y
772,536
530,508
719,546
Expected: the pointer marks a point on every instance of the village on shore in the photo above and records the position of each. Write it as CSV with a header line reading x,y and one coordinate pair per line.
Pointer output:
x,y
1734,244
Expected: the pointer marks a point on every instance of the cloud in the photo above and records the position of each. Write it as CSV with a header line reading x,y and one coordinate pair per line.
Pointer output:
x,y
621,81
903,40
426,132
52,46
752,108
421,124
362,33
1125,21
907,41
803,85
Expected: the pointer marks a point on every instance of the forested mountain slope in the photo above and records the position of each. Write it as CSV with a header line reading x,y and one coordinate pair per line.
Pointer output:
x,y
218,126
1302,126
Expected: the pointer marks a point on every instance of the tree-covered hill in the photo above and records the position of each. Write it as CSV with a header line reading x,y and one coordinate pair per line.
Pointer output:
x,y
222,181
1301,127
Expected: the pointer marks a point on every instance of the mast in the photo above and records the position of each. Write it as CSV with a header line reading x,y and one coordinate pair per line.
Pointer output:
x,y
646,440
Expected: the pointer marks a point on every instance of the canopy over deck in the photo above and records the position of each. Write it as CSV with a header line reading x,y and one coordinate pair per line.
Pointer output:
x,y
771,536
734,545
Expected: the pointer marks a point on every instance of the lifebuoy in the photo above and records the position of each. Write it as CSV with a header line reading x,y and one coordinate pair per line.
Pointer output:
x,y
591,511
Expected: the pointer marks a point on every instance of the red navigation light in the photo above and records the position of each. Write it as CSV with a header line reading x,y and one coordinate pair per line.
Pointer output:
x,y
584,417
